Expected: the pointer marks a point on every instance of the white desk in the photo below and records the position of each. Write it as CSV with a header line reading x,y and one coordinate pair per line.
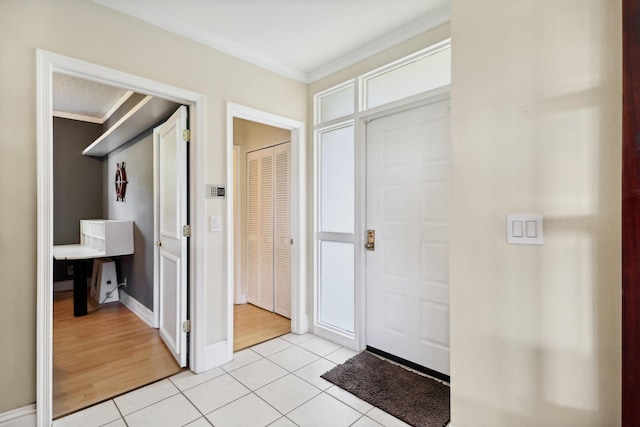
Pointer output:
x,y
78,254
100,239
74,252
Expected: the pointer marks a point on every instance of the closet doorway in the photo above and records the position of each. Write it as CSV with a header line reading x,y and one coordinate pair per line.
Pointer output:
x,y
262,209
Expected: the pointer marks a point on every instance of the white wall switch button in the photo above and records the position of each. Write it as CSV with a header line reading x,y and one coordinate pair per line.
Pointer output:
x,y
531,229
214,223
517,229
525,229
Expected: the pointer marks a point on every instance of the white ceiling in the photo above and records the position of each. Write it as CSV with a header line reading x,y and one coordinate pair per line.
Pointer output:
x,y
79,99
301,39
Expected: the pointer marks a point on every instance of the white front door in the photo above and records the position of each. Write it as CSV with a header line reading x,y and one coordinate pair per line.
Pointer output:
x,y
170,182
408,207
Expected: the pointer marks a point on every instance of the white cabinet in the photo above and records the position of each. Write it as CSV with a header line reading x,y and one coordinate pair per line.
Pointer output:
x,y
107,236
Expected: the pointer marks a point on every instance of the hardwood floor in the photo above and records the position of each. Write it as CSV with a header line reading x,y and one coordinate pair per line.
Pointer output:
x,y
104,354
253,325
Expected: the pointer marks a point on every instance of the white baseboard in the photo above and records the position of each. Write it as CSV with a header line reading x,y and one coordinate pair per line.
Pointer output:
x,y
216,354
136,307
21,417
302,326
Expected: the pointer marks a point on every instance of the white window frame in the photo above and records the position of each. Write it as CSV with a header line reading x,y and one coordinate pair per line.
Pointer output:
x,y
325,330
364,79
318,97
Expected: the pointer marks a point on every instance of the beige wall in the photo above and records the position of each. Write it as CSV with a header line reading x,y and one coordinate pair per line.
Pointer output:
x,y
536,128
87,31
251,136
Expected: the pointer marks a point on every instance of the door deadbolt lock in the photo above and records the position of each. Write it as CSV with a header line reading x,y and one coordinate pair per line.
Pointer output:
x,y
371,240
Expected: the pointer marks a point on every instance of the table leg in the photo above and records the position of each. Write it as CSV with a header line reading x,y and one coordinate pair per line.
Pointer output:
x,y
79,288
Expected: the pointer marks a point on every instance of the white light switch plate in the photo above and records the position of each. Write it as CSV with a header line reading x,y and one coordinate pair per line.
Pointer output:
x,y
525,229
214,223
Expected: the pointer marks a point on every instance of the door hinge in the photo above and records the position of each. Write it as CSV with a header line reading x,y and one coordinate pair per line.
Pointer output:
x,y
186,231
186,326
186,135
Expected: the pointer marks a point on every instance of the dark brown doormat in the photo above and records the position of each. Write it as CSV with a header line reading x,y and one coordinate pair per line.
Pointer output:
x,y
413,398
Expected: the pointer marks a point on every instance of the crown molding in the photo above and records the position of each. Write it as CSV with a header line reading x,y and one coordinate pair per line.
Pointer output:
x,y
203,37
438,17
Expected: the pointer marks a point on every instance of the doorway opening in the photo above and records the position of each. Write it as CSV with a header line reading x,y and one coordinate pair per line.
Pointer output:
x,y
266,273
262,234
47,64
119,343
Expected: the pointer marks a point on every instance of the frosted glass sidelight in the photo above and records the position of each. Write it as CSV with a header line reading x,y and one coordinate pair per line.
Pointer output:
x,y
337,180
336,104
419,76
337,285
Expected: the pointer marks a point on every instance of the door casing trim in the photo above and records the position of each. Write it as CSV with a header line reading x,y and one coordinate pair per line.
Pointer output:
x,y
46,64
299,314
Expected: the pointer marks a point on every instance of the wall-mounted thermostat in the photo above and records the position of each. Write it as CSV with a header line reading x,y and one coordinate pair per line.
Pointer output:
x,y
215,191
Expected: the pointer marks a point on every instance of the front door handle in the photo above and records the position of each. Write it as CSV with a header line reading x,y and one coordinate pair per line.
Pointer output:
x,y
371,240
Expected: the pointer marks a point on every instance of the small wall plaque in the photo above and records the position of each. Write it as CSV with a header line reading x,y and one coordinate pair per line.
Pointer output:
x,y
121,182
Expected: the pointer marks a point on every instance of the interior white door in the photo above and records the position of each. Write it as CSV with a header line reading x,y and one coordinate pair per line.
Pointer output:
x,y
170,181
408,207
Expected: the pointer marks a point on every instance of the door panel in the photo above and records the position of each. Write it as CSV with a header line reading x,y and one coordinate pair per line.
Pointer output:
x,y
253,226
265,288
170,160
408,207
282,231
268,229
170,299
260,228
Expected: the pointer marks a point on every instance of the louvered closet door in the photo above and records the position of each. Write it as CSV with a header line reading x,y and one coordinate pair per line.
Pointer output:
x,y
253,225
268,229
260,228
282,233
265,289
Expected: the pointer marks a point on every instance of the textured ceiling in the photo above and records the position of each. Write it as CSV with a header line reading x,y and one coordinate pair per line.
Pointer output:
x,y
85,98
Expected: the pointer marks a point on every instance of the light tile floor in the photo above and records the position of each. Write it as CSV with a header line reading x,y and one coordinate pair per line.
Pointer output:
x,y
276,383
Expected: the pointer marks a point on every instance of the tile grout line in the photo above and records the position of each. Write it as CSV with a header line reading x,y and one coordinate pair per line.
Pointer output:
x,y
254,392
194,405
287,371
150,404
